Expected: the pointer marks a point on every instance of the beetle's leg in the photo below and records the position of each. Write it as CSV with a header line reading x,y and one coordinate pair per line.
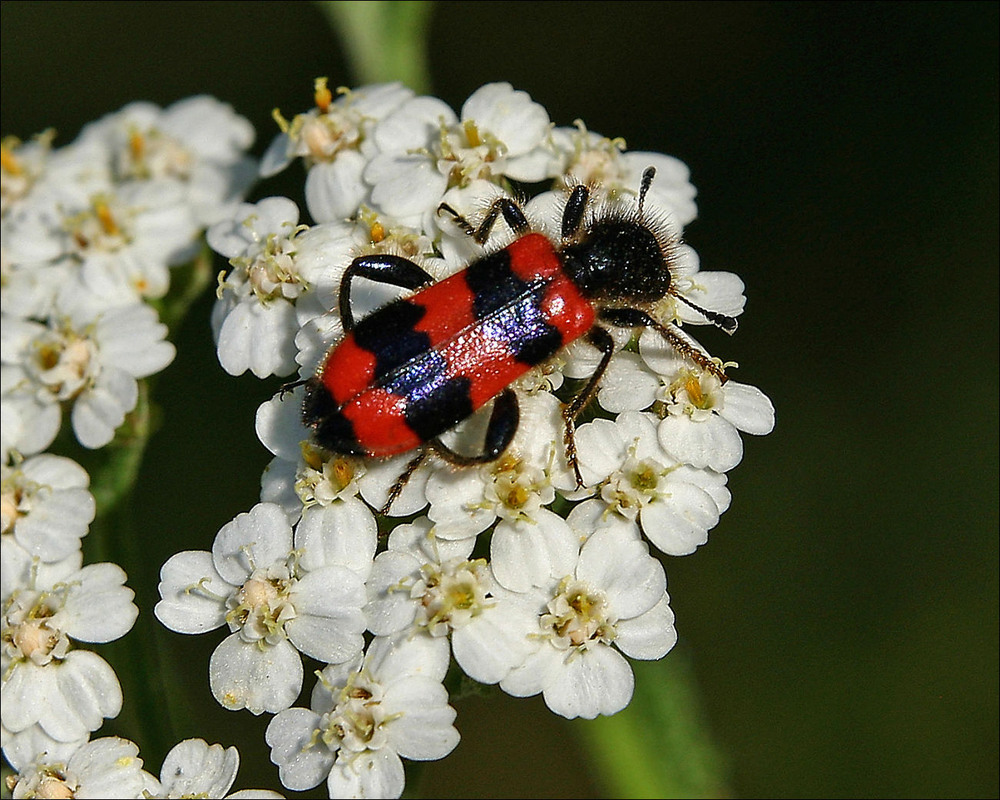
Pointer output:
x,y
287,387
499,433
634,318
512,215
402,480
601,339
381,268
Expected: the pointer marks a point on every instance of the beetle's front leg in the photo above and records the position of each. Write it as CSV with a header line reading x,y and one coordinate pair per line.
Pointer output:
x,y
512,215
635,318
601,339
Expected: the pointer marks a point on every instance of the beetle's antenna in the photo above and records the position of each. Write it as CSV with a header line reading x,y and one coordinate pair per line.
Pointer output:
x,y
647,179
724,321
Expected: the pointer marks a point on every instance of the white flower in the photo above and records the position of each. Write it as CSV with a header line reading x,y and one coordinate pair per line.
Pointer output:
x,y
614,602
198,142
47,507
120,238
21,165
676,504
334,140
589,158
426,585
277,595
194,768
364,717
514,488
254,317
92,364
276,263
108,767
704,416
67,691
425,149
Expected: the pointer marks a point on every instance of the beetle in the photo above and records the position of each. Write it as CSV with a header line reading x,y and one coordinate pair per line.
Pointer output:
x,y
413,369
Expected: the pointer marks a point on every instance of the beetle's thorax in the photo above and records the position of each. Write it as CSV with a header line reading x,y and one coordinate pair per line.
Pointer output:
x,y
618,260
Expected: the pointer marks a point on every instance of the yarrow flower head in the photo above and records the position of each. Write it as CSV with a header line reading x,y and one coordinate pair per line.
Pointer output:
x,y
366,716
279,592
506,384
107,767
91,233
48,680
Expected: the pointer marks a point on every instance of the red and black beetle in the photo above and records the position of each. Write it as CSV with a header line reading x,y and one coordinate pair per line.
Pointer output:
x,y
413,369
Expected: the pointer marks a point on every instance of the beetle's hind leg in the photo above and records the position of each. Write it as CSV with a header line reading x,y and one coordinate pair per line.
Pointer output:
x,y
500,430
402,480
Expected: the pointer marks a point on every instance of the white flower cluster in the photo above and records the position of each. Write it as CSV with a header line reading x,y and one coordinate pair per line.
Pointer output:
x,y
110,767
511,569
90,233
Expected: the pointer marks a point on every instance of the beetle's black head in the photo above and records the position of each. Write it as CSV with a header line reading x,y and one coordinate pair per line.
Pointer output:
x,y
619,258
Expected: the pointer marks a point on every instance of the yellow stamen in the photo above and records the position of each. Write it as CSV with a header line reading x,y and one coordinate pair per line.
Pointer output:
x,y
107,220
136,145
343,471
322,95
693,388
9,162
471,133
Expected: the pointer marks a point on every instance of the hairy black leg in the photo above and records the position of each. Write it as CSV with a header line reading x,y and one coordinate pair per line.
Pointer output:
x,y
635,318
382,268
512,215
601,339
291,385
499,433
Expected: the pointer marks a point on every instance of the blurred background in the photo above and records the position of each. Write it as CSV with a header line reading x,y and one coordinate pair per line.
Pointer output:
x,y
842,623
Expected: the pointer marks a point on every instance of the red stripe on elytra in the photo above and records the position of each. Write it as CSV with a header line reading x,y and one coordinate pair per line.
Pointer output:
x,y
379,422
448,307
487,363
348,370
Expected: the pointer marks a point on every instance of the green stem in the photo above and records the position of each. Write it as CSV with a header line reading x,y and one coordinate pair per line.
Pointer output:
x,y
150,698
384,41
660,745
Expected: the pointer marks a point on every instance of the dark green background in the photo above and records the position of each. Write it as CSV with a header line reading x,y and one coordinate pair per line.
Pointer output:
x,y
843,619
